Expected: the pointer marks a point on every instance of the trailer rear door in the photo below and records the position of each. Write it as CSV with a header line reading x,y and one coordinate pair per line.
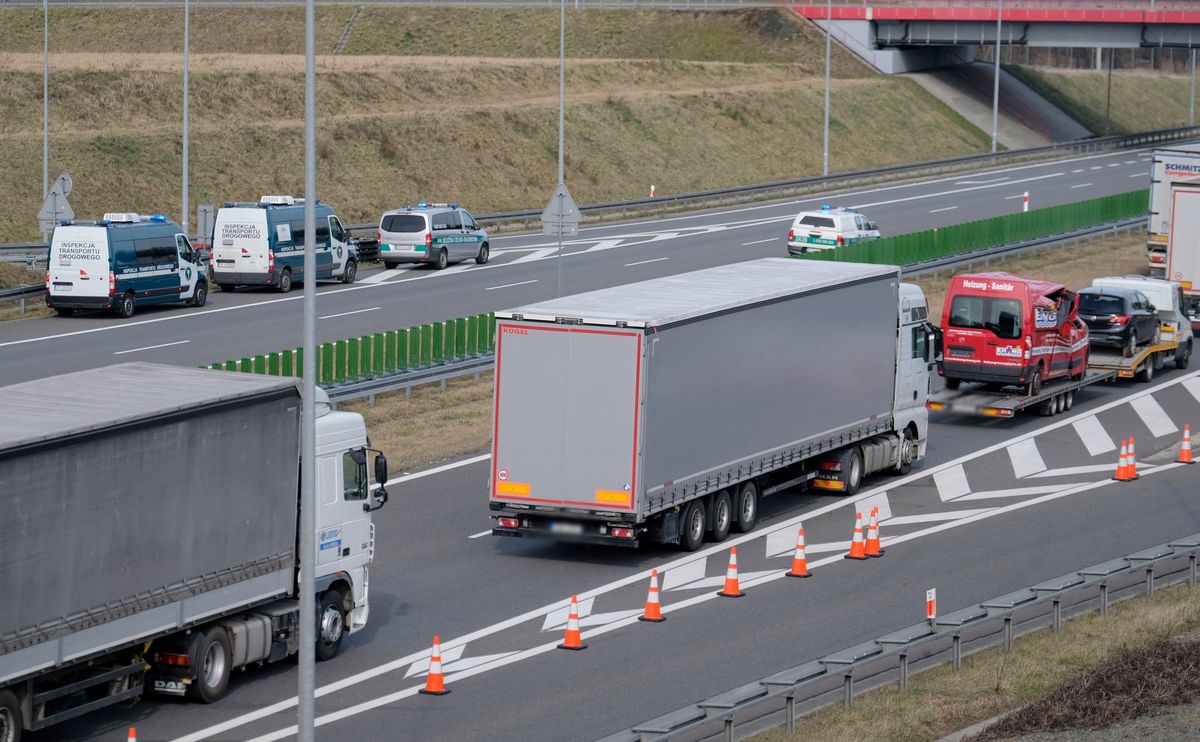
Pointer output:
x,y
567,416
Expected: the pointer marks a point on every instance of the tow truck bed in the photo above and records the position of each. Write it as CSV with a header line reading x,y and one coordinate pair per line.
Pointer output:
x,y
980,399
1127,368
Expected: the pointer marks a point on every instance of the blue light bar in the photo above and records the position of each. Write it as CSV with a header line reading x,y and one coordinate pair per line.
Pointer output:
x,y
825,207
158,217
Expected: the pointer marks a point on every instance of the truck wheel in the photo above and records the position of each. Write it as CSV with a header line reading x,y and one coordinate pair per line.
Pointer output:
x,y
1047,408
331,626
484,253
953,384
722,516
442,260
200,295
212,664
1146,372
350,272
1183,356
123,306
747,508
1035,382
1159,361
10,717
1068,401
691,528
285,281
852,470
908,452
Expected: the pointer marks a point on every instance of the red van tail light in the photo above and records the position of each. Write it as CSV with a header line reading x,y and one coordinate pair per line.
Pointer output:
x,y
841,240
112,282
428,240
791,235
1118,319
1028,347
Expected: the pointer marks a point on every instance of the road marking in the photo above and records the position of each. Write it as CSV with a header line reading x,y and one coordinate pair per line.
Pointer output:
x,y
1096,167
510,285
347,314
1093,435
439,469
666,609
944,208
1010,198
1016,492
1080,170
980,182
1193,387
951,483
150,347
644,262
538,254
905,520
1026,459
1115,164
481,534
642,575
387,274
421,667
1131,162
759,242
958,190
1074,470
558,617
1155,417
1081,185
1139,175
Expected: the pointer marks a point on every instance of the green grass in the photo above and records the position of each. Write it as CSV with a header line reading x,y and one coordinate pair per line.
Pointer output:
x,y
15,274
1139,101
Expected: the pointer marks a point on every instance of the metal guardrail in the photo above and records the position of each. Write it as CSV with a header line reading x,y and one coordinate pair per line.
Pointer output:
x,y
406,380
642,4
894,656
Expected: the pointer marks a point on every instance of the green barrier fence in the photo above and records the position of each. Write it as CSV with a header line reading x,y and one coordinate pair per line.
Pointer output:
x,y
380,354
916,247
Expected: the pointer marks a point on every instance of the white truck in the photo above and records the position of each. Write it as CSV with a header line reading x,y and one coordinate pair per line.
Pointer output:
x,y
1181,162
1183,244
662,411
152,532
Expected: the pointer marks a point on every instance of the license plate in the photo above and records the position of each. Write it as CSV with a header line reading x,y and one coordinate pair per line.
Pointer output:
x,y
961,353
223,261
573,529
62,288
403,248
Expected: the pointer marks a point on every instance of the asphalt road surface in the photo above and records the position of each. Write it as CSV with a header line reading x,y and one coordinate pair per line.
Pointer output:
x,y
524,269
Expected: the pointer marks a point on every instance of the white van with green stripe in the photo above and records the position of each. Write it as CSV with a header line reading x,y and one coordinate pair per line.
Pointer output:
x,y
438,234
828,229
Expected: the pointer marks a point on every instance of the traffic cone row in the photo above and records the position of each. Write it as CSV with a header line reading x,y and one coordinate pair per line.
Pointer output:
x,y
1126,463
858,547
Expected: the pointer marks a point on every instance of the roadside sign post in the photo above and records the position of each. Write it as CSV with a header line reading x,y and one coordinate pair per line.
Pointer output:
x,y
559,219
55,207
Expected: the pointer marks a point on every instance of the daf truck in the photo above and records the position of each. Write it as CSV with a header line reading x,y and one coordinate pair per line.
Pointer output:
x,y
1181,162
152,530
662,411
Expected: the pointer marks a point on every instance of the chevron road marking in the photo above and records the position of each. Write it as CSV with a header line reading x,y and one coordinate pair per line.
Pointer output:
x,y
951,483
1154,416
1026,459
1093,435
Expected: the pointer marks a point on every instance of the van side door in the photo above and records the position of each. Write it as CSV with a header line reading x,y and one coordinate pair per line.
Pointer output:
x,y
338,244
455,235
189,268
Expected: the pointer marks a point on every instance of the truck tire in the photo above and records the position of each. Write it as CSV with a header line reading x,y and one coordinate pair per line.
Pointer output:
x,y
285,281
331,626
123,306
746,513
68,312
722,516
691,526
1035,382
953,384
226,287
212,663
1182,356
908,452
1146,372
1159,360
10,717
852,469
350,272
1068,401
200,295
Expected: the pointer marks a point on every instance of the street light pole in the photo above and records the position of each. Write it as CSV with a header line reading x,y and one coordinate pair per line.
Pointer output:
x,y
1192,100
187,15
306,684
562,86
828,63
996,86
45,104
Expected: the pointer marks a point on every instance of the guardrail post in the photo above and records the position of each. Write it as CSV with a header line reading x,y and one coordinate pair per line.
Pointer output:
x,y
848,690
1008,634
956,643
903,671
379,353
1149,581
1192,570
1056,610
1103,598
790,712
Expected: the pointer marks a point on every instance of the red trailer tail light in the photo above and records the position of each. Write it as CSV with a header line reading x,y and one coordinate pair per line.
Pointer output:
x,y
171,659
622,533
507,522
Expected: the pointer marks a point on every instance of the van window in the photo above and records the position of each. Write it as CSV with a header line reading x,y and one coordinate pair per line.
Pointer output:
x,y
817,221
185,249
447,220
1001,316
354,475
336,229
152,250
322,232
403,223
1101,304
297,227
468,220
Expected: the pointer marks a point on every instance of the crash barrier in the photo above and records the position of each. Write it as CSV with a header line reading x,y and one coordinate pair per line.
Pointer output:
x,y
916,247
932,642
382,354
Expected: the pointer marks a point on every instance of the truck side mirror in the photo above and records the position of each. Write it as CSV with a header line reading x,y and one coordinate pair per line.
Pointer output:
x,y
379,496
381,468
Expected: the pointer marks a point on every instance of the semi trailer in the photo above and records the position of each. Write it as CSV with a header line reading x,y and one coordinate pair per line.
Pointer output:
x,y
1181,162
1183,245
152,531
662,411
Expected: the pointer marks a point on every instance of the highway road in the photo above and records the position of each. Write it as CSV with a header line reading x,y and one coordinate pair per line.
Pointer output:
x,y
524,269
997,505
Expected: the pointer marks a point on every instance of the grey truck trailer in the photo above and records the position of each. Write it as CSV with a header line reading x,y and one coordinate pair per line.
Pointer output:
x,y
662,411
150,535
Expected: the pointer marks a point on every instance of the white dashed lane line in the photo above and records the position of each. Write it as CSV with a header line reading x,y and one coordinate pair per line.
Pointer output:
x,y
150,347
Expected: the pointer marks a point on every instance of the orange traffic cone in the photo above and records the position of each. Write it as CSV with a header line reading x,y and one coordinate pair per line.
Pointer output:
x,y
1131,470
572,640
1122,472
1185,448
132,735
653,610
434,683
731,579
799,561
857,547
872,548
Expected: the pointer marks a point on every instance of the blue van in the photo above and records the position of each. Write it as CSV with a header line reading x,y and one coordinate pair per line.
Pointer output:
x,y
120,262
262,244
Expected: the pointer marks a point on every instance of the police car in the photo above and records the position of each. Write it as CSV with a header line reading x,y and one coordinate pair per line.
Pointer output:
x,y
829,228
437,234
121,261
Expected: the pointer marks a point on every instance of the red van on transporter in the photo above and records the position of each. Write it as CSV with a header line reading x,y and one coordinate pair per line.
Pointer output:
x,y
1004,329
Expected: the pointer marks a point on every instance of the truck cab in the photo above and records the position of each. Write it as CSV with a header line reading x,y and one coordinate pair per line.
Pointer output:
x,y
1007,330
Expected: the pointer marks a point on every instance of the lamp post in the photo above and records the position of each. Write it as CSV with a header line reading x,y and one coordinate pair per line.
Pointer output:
x,y
996,85
828,63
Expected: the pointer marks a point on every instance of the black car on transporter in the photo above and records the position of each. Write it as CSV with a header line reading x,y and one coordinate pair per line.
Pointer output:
x,y
1122,318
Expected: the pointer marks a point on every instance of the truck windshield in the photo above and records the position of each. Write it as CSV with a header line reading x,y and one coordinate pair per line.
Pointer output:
x,y
1001,316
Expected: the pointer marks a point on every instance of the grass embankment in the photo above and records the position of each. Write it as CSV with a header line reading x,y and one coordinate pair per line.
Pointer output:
x,y
653,97
1139,102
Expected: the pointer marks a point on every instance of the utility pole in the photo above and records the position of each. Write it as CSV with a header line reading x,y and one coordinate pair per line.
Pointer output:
x,y
828,63
1192,99
562,86
1108,97
46,104
996,86
187,15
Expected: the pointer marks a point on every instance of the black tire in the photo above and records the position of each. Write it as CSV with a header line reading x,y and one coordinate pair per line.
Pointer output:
x,y
442,260
745,514
200,295
10,717
722,516
1130,345
1146,373
691,526
285,281
331,626
212,662
1159,360
226,286
351,271
1035,382
484,253
908,452
62,312
1068,401
852,469
123,306
390,266
953,384
1183,356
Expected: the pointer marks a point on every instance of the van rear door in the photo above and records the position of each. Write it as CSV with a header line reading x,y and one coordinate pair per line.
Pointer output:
x,y
79,262
240,243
